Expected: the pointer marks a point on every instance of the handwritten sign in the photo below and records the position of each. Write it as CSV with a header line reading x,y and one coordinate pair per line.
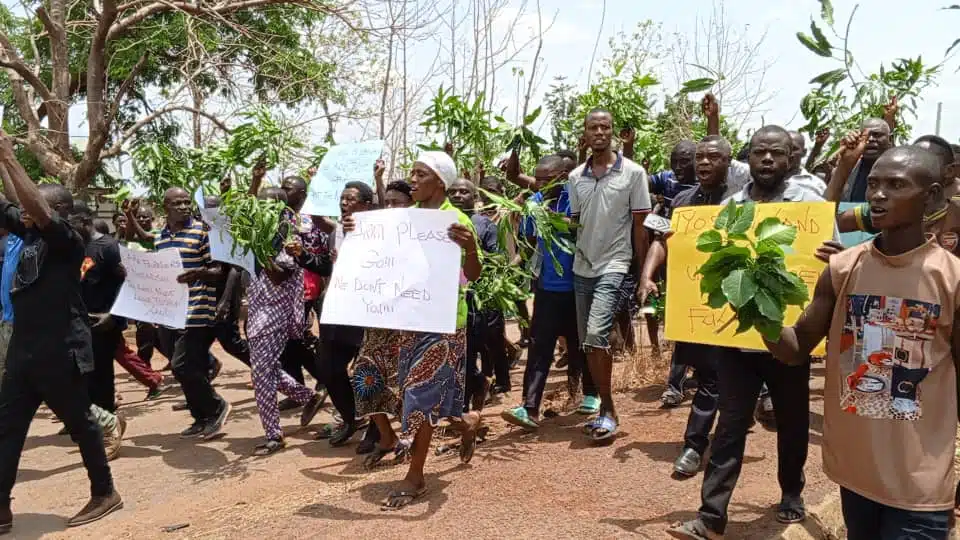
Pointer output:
x,y
657,223
343,163
222,242
398,269
150,292
688,319
850,239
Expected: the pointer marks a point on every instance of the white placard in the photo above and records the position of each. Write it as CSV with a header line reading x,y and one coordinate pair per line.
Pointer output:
x,y
198,198
398,269
343,163
150,292
657,223
221,242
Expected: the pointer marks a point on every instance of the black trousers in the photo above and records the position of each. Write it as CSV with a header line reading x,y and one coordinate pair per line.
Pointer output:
x,y
678,374
333,374
303,354
191,367
228,334
554,315
58,382
147,341
703,412
485,331
100,382
741,375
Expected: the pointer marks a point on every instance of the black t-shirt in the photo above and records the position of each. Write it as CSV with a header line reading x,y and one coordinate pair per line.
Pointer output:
x,y
101,274
49,316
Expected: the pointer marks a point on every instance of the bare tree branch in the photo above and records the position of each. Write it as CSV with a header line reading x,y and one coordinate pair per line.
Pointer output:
x,y
117,147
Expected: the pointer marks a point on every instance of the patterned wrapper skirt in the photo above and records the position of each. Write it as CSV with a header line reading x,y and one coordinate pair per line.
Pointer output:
x,y
415,375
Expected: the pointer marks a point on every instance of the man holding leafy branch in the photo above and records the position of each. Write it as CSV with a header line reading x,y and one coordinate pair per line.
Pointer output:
x,y
742,372
609,198
892,459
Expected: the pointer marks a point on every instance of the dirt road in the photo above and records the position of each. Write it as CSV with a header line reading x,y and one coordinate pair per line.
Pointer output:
x,y
551,484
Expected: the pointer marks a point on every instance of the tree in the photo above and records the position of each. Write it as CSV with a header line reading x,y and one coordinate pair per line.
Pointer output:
x,y
122,58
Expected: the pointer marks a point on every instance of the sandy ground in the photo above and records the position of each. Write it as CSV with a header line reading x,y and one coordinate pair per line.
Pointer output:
x,y
551,484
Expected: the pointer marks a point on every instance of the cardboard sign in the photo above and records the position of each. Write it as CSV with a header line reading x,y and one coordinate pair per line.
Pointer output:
x,y
398,269
688,318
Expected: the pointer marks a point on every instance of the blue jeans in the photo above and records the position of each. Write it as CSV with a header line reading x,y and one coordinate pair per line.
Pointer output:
x,y
596,307
869,520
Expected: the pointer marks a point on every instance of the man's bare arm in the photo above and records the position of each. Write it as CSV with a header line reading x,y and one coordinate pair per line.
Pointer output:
x,y
641,240
798,341
31,200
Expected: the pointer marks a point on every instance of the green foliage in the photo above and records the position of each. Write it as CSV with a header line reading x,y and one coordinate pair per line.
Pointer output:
x,y
750,275
262,138
255,224
841,101
498,287
465,125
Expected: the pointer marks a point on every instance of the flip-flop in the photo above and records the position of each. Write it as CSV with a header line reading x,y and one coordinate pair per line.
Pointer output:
x,y
588,427
603,428
374,458
400,498
268,448
519,416
326,431
589,405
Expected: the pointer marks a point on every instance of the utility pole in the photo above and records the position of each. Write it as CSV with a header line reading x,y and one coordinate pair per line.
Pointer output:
x,y
939,116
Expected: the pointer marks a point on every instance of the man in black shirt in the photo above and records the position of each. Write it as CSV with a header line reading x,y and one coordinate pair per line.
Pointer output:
x,y
50,349
101,276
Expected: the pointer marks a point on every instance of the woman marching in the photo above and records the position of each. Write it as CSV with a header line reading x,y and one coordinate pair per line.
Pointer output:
x,y
430,370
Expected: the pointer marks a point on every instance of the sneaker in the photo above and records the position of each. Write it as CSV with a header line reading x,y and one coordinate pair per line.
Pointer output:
x,y
113,439
215,426
97,508
195,430
287,404
6,519
156,391
688,463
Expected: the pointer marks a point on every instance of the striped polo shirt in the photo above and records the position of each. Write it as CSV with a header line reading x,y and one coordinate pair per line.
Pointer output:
x,y
194,245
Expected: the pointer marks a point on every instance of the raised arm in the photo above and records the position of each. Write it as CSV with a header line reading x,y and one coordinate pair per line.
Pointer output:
x,y
821,139
256,177
797,341
515,176
628,136
134,232
851,149
378,169
710,108
31,200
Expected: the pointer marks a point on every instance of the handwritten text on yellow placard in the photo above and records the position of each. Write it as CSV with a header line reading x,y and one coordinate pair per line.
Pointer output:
x,y
688,319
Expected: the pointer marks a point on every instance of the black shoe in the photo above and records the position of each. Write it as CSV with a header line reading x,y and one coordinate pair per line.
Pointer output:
x,y
195,430
343,435
214,427
370,439
6,519
287,404
688,464
311,408
97,508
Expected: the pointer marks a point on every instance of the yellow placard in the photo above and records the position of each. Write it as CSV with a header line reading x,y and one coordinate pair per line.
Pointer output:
x,y
688,318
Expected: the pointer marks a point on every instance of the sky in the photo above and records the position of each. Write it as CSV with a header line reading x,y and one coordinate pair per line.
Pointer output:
x,y
875,38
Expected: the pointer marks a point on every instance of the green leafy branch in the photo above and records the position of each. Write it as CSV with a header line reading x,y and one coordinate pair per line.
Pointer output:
x,y
255,224
750,275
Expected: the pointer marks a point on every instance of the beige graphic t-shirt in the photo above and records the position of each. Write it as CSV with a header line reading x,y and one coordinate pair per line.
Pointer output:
x,y
890,404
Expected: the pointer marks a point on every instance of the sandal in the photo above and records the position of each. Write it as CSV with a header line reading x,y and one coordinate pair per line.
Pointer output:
x,y
603,428
791,511
312,407
588,427
589,405
269,447
374,458
326,431
400,498
519,416
692,530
